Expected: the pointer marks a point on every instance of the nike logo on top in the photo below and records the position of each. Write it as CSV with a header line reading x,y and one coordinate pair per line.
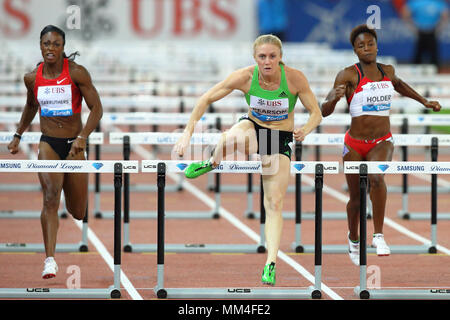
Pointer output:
x,y
70,141
60,81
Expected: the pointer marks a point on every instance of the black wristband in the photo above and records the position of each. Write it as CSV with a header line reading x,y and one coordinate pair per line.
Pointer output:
x,y
18,136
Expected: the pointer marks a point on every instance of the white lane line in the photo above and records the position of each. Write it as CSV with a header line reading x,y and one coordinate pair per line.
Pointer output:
x,y
110,261
238,224
344,198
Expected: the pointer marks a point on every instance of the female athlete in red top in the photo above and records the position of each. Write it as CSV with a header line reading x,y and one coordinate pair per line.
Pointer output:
x,y
55,89
369,88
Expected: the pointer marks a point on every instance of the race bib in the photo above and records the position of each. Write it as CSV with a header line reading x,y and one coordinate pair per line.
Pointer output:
x,y
55,101
269,110
377,96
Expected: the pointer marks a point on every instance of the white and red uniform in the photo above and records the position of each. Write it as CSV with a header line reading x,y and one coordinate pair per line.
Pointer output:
x,y
369,98
58,97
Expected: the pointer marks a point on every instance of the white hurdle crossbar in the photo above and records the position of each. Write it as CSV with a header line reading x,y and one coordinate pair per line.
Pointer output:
x,y
67,166
377,167
175,166
161,167
111,166
155,138
338,139
402,140
28,138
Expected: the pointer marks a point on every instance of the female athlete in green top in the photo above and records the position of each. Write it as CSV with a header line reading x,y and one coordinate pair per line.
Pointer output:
x,y
271,90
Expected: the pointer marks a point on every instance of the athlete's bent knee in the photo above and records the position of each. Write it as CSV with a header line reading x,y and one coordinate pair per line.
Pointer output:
x,y
78,213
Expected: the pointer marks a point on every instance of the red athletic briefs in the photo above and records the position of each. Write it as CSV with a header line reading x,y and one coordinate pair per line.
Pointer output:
x,y
364,146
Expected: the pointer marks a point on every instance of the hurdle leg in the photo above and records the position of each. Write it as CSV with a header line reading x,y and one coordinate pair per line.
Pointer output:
x,y
97,210
262,220
434,151
404,212
84,228
115,293
297,244
316,290
126,198
361,290
215,213
249,213
161,181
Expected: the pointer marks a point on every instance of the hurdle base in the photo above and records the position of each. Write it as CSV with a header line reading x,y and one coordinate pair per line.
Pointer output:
x,y
411,189
139,188
403,294
168,215
50,293
239,188
24,214
199,248
403,249
331,215
237,293
250,214
422,215
39,247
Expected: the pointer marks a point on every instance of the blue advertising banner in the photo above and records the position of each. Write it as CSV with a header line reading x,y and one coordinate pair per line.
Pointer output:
x,y
331,21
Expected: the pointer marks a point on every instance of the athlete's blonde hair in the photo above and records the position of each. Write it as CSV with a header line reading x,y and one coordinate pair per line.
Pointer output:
x,y
270,39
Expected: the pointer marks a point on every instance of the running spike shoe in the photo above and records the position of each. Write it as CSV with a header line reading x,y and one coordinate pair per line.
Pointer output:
x,y
268,274
196,169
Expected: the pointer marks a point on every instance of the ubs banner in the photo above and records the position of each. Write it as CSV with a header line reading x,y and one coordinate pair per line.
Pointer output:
x,y
331,21
91,20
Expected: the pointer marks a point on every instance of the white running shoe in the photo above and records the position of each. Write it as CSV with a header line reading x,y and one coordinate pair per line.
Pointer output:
x,y
353,250
379,243
50,268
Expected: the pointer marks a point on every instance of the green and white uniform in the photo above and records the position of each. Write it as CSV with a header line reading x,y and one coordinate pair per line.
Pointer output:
x,y
266,105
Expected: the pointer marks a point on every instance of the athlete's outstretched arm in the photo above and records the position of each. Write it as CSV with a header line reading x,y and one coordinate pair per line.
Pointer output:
x,y
82,79
406,90
235,80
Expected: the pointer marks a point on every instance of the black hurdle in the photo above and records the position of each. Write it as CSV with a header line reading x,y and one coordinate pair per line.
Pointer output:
x,y
362,290
434,192
313,292
298,202
363,180
317,293
97,213
117,228
161,183
126,196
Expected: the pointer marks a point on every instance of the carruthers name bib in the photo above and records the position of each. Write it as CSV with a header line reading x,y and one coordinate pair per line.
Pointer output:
x,y
55,101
